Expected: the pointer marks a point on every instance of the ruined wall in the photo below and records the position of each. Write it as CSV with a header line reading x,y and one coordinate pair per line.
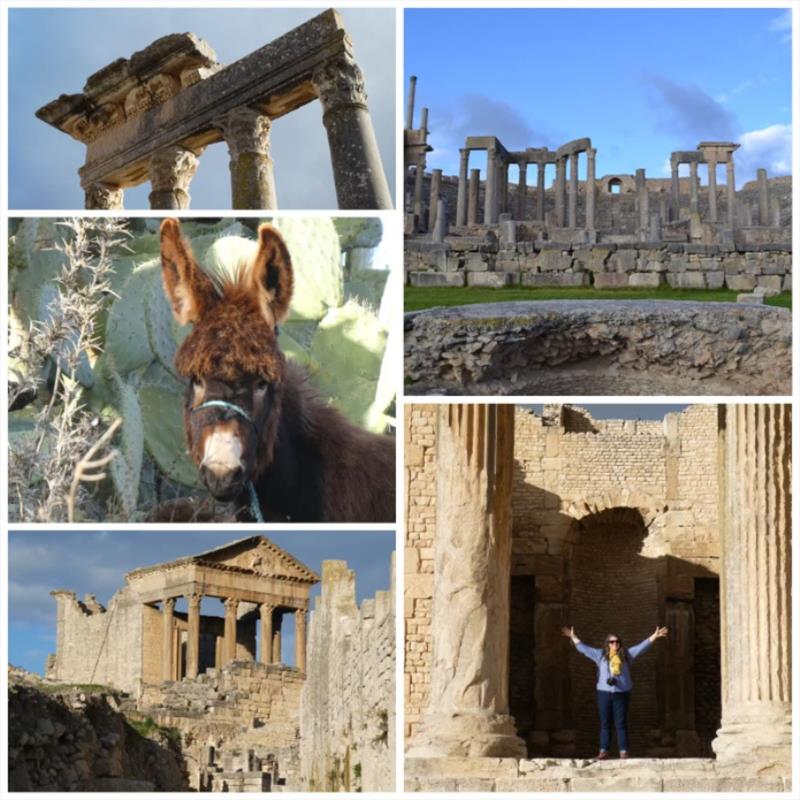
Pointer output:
x,y
638,498
347,718
98,645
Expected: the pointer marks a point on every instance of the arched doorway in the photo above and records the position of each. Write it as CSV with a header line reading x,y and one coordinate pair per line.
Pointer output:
x,y
613,589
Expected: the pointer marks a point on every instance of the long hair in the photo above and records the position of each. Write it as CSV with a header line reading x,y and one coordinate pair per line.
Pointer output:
x,y
623,652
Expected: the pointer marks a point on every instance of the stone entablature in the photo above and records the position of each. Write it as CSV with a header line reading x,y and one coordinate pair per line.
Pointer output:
x,y
151,116
257,582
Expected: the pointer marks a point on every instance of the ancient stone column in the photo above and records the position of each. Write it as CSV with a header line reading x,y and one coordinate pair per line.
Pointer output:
x,y
693,204
712,191
561,169
266,611
573,190
490,195
756,588
419,182
461,200
504,186
522,189
433,205
412,90
171,171
591,153
277,622
193,642
102,196
229,649
763,197
676,194
246,133
300,639
467,712
730,178
357,168
473,197
540,175
166,638
442,228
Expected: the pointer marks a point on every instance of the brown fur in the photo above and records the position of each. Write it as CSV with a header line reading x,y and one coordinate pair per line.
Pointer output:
x,y
305,459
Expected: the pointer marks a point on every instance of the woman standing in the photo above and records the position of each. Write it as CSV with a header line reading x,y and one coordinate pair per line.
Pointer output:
x,y
614,683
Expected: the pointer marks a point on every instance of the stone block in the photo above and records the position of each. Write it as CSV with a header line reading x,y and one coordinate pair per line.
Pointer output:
x,y
475,262
555,279
492,279
715,279
766,291
623,261
787,283
687,280
769,281
650,280
741,283
512,264
532,784
554,261
678,263
755,299
436,278
611,280
594,260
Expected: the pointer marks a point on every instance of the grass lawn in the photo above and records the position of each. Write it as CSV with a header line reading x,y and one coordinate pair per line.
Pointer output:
x,y
417,298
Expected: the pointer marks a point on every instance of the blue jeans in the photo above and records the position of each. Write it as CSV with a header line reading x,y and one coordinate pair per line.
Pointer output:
x,y
613,706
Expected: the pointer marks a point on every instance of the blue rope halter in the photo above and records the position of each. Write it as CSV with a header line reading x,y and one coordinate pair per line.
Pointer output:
x,y
255,508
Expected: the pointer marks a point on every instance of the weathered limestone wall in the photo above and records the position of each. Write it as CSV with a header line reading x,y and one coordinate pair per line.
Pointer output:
x,y
347,715
98,645
646,494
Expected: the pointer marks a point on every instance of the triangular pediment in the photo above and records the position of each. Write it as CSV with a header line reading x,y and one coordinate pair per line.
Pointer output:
x,y
260,556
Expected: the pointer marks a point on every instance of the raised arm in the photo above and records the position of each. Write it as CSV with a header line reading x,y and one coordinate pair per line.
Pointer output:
x,y
592,653
640,648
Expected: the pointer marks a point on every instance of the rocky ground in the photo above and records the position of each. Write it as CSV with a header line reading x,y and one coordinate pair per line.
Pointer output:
x,y
77,738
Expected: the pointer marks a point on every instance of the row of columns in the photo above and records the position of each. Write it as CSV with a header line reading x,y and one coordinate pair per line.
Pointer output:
x,y
270,649
496,197
357,168
467,712
712,190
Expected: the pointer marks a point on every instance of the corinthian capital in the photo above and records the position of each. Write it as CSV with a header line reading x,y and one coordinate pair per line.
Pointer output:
x,y
338,82
172,169
245,131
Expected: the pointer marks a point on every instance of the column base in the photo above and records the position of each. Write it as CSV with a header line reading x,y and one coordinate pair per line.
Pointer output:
x,y
761,741
467,735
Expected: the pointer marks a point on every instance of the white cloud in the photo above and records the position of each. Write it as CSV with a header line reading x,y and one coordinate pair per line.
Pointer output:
x,y
769,147
782,25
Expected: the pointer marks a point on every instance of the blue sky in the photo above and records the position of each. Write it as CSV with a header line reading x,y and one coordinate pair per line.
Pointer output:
x,y
52,51
96,562
640,82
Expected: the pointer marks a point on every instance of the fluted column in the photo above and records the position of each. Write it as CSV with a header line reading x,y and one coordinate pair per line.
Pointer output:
x,y
467,712
490,195
300,639
561,170
693,205
731,179
166,638
676,194
246,132
573,190
473,197
522,189
265,610
193,641
229,648
763,197
357,167
712,191
277,643
461,200
756,586
102,196
433,203
171,171
591,153
541,166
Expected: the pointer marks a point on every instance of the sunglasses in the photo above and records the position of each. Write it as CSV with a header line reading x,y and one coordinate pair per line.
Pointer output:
x,y
613,641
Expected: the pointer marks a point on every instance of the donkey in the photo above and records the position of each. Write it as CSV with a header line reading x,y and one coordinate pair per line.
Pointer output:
x,y
258,433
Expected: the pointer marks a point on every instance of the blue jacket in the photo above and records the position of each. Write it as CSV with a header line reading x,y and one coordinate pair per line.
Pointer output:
x,y
624,682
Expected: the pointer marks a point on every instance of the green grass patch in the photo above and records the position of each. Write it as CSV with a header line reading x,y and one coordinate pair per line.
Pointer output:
x,y
417,298
61,688
148,726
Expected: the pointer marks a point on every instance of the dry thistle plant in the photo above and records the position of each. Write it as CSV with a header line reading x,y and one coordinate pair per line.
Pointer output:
x,y
42,465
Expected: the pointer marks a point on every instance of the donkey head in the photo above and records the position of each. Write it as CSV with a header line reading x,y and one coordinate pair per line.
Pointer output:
x,y
231,357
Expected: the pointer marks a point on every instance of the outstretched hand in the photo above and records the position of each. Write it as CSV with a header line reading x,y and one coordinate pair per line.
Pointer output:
x,y
568,632
659,633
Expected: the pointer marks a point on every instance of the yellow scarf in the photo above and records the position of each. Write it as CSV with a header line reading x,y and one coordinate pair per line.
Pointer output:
x,y
614,664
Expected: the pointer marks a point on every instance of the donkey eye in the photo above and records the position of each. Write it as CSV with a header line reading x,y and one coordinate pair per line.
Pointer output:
x,y
262,386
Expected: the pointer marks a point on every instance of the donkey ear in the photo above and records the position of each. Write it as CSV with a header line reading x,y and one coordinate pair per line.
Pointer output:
x,y
188,288
273,275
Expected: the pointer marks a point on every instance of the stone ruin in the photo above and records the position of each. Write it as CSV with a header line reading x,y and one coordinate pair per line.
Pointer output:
x,y
687,518
613,231
247,721
150,116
